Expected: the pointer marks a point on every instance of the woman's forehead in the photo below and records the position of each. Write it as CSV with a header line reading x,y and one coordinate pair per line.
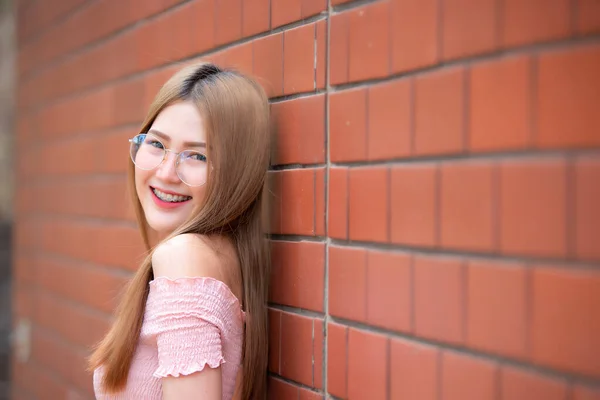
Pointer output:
x,y
180,122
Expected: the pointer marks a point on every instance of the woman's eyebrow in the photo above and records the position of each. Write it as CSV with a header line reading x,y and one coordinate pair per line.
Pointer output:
x,y
167,138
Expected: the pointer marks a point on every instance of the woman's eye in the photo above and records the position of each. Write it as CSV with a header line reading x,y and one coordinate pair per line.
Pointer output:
x,y
197,157
155,143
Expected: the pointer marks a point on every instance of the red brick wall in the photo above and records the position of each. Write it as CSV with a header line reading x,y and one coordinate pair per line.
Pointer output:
x,y
436,187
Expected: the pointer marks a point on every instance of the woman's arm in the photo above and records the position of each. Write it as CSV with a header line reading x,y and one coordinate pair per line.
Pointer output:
x,y
189,256
203,385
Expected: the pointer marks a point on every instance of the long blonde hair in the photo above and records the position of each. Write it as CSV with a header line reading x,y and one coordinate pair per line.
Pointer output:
x,y
236,112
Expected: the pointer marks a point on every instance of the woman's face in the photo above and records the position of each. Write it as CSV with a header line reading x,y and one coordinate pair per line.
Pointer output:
x,y
166,200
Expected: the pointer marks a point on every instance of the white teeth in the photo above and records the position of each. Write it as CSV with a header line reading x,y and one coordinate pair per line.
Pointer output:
x,y
169,197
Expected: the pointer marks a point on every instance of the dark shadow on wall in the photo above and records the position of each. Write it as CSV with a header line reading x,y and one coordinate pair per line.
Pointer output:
x,y
5,307
7,37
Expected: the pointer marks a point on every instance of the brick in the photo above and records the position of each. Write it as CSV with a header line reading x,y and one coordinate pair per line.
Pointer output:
x,y
587,215
268,63
274,341
274,201
144,8
23,299
312,7
369,204
586,393
522,384
414,19
298,202
497,308
121,54
150,41
563,332
193,25
24,200
76,156
389,299
413,371
96,287
439,299
305,394
255,17
588,16
88,112
285,12
26,236
21,376
320,52
300,129
465,377
25,270
228,21
348,125
65,360
239,57
41,16
468,202
298,64
18,393
181,25
347,283
128,104
297,348
320,197
534,21
47,387
469,27
74,198
153,81
501,99
70,322
24,129
338,51
337,210
439,112
279,389
389,120
318,343
298,273
532,207
567,89
206,23
369,47
367,365
86,242
118,158
413,205
337,360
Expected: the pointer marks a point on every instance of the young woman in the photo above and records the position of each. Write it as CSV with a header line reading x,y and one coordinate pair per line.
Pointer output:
x,y
192,323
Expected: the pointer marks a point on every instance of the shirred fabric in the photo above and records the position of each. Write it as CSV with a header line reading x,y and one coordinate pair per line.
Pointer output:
x,y
189,323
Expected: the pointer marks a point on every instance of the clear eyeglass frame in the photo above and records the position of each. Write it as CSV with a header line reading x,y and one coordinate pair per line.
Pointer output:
x,y
132,154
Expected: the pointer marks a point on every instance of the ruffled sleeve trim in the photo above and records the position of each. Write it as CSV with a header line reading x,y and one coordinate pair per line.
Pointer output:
x,y
187,368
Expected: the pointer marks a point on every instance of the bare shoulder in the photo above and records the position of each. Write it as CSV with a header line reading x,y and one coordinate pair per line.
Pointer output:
x,y
191,255
188,255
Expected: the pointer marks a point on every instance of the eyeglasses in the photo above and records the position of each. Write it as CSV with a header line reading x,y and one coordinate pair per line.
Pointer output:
x,y
148,152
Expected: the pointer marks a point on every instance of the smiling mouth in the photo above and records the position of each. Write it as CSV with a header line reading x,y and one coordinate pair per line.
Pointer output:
x,y
170,198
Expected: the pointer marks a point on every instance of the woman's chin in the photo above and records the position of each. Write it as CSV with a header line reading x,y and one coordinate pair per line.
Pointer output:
x,y
163,225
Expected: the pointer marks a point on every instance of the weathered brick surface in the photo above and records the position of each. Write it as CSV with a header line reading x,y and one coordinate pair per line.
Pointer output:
x,y
435,187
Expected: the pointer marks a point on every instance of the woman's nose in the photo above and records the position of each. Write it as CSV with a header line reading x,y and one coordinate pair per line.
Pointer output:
x,y
167,170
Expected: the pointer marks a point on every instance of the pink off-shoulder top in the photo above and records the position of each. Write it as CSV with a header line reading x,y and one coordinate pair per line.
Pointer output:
x,y
189,323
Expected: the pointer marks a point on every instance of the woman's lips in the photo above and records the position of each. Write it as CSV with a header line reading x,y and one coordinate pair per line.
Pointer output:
x,y
166,204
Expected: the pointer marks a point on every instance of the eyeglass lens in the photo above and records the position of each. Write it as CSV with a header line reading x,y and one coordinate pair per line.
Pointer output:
x,y
148,152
